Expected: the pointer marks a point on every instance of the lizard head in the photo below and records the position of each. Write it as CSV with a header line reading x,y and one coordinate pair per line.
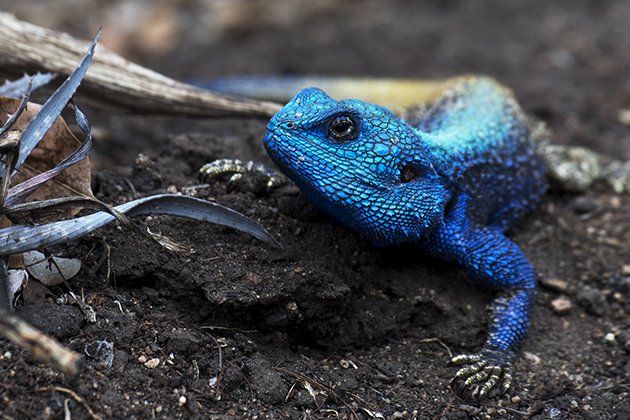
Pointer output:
x,y
360,164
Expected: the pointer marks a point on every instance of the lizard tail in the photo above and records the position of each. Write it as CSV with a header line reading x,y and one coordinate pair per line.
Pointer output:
x,y
274,88
395,94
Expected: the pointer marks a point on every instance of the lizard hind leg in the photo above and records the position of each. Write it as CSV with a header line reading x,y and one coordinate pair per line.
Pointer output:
x,y
576,169
492,261
490,370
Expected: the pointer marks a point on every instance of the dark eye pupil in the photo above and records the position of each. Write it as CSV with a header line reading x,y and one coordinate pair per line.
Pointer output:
x,y
408,173
342,128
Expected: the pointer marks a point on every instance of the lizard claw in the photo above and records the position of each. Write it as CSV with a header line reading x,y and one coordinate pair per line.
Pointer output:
x,y
484,373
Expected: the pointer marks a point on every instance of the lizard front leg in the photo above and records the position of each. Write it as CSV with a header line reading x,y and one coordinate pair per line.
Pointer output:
x,y
235,168
491,260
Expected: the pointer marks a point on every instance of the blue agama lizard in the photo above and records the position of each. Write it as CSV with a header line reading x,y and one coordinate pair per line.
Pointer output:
x,y
450,176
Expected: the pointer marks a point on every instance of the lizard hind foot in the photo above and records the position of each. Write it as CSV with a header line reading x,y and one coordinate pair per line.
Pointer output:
x,y
575,169
484,375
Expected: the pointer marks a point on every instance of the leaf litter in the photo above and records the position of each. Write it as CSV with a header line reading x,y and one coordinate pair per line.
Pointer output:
x,y
44,167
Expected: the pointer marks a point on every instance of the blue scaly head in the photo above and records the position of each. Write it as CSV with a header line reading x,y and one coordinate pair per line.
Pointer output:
x,y
360,164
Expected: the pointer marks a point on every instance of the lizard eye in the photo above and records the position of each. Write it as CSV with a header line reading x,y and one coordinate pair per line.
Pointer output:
x,y
342,128
408,173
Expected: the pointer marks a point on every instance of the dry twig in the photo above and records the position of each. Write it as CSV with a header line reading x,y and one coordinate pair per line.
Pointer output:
x,y
42,347
440,342
74,396
329,391
112,79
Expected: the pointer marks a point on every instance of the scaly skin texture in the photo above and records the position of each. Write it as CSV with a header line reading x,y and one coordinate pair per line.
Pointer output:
x,y
451,181
570,168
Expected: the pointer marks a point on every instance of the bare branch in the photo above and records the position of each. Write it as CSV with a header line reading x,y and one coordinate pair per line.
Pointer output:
x,y
42,347
112,79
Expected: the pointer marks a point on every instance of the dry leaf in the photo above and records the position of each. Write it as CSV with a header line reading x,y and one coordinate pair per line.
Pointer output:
x,y
48,273
56,144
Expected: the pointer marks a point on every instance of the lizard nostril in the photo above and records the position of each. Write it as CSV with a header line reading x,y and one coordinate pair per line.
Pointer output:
x,y
408,173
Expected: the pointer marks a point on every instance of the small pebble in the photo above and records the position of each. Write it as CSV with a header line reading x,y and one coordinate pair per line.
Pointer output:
x,y
593,300
625,269
383,377
558,285
561,305
623,115
532,358
552,412
614,202
597,334
624,339
101,351
182,401
609,338
152,363
252,278
142,359
584,204
516,399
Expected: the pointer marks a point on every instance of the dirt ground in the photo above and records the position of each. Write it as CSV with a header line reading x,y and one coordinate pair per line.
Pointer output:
x,y
329,327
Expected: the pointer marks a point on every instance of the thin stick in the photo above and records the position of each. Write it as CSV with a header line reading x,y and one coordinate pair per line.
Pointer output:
x,y
112,79
42,347
440,342
74,396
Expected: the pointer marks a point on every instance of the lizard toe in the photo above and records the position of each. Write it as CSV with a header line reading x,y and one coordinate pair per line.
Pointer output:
x,y
248,176
220,168
485,376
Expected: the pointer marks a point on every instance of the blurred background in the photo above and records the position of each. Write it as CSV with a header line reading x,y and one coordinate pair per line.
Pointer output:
x,y
567,60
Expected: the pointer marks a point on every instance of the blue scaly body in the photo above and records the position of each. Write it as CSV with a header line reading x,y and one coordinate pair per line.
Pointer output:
x,y
450,176
452,180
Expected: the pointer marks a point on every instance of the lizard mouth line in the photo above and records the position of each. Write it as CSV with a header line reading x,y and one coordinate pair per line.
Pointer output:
x,y
300,156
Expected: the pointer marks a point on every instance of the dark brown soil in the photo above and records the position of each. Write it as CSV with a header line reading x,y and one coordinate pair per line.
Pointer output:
x,y
329,327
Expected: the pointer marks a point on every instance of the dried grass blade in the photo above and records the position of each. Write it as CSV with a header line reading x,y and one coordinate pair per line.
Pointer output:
x,y
22,238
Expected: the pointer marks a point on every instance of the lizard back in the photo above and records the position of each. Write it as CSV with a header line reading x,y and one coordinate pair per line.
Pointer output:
x,y
481,142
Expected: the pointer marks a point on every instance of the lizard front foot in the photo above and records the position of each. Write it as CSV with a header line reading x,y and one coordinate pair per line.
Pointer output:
x,y
486,371
235,169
